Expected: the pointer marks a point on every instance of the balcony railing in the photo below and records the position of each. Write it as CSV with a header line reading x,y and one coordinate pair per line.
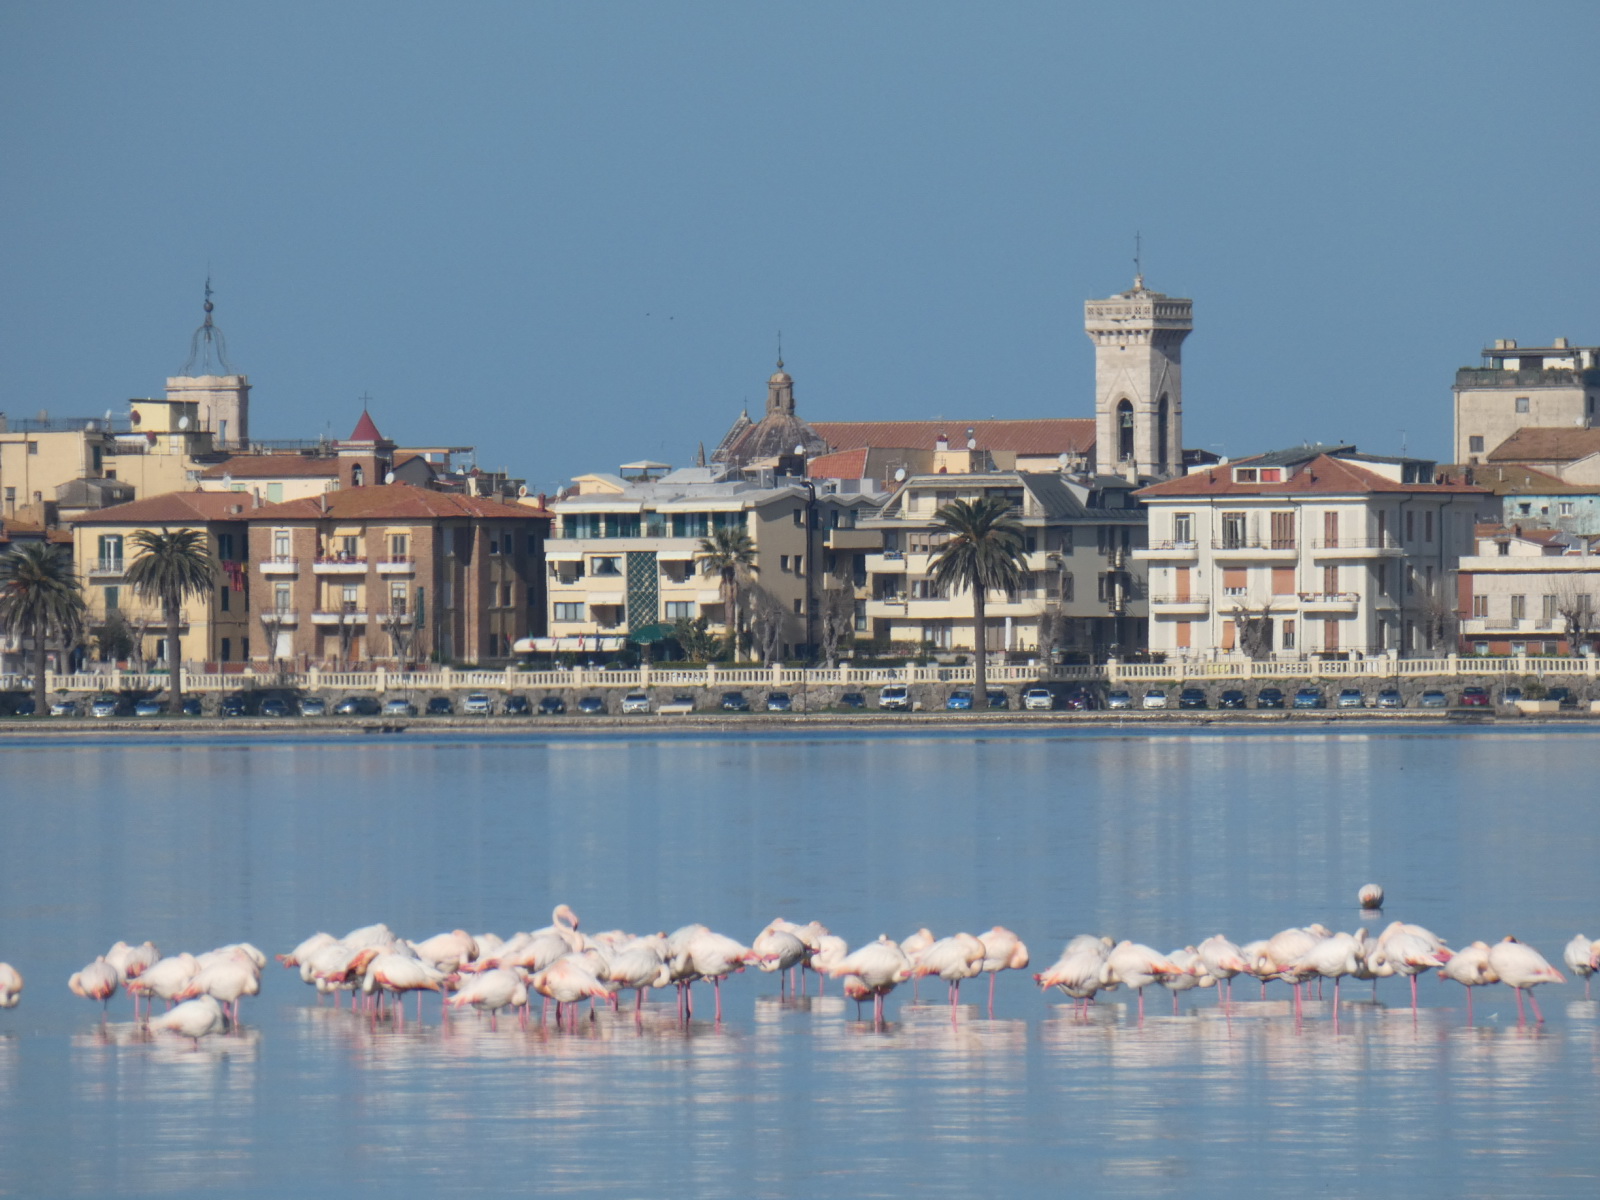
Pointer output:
x,y
1328,598
278,566
1351,543
106,568
340,564
397,564
1247,543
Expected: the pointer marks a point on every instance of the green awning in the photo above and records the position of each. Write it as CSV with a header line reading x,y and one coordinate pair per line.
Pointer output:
x,y
650,634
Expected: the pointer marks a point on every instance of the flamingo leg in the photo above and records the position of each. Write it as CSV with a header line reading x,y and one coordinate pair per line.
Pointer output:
x,y
1413,993
1533,1000
1520,1016
992,974
716,988
1141,1006
1469,1006
1174,1003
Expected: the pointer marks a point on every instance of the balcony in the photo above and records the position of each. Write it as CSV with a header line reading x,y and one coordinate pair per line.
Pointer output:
x,y
1168,552
397,615
279,566
1174,606
1340,602
890,562
340,564
280,616
853,539
1347,548
346,614
1254,550
1511,625
106,569
401,564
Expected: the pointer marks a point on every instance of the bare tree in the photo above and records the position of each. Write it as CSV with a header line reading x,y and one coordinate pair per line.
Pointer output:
x,y
1575,606
1253,627
399,628
838,620
1437,618
766,617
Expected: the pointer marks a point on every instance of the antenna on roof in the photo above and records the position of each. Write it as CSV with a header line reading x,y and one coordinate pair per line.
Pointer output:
x,y
780,349
1402,443
1138,260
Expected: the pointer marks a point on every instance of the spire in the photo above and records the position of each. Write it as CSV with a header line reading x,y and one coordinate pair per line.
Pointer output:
x,y
366,429
700,457
207,340
780,349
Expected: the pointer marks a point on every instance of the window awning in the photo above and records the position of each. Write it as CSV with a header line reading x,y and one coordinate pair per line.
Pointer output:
x,y
562,555
684,555
606,598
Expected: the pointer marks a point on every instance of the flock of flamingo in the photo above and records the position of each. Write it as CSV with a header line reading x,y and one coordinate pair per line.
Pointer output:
x,y
490,974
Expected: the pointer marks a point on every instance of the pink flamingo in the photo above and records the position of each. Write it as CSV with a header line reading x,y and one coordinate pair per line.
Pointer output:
x,y
1002,951
1522,967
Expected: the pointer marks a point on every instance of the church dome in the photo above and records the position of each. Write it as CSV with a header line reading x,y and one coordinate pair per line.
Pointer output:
x,y
781,377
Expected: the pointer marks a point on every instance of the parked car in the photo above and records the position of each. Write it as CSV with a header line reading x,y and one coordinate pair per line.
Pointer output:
x,y
552,706
22,706
853,700
735,702
998,698
1081,699
65,708
358,706
1154,698
399,707
1269,697
150,708
517,705
1232,698
958,700
191,706
895,696
440,706
1391,697
1351,698
635,702
1037,699
1310,697
313,706
681,704
597,704
105,706
1192,698
1511,695
478,704
779,702
1433,698
276,706
1562,696
1475,697
235,704
1119,698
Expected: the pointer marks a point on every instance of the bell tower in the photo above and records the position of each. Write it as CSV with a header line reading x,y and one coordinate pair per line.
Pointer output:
x,y
208,381
1138,380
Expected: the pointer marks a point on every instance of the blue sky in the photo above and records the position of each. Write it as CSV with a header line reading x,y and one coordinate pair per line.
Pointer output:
x,y
569,234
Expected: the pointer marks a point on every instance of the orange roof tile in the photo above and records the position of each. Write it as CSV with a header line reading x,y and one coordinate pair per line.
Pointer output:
x,y
174,508
842,464
1049,435
1322,476
395,501
1544,444
273,466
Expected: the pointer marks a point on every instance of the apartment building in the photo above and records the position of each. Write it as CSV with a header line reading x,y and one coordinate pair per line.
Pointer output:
x,y
1554,387
1529,590
396,573
1318,549
1085,590
625,555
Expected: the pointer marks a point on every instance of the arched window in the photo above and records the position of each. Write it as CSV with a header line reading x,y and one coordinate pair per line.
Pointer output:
x,y
1163,415
1124,431
355,475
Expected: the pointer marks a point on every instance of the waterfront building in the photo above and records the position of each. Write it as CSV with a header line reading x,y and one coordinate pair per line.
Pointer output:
x,y
1553,387
1313,550
1138,338
1085,589
1527,590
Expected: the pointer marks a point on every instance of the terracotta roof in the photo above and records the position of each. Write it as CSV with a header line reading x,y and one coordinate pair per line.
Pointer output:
x,y
1510,479
174,508
12,528
1050,435
366,429
843,464
272,466
1542,537
1322,476
394,501
1543,444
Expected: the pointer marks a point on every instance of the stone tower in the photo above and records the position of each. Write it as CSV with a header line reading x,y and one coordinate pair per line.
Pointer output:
x,y
1138,380
223,398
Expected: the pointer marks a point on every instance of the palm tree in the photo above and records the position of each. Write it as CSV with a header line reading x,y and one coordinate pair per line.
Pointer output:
x,y
983,551
171,568
730,554
40,598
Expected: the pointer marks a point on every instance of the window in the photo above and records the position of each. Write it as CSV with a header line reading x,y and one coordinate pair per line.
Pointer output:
x,y
1288,634
225,547
1244,474
783,562
244,648
533,543
925,589
505,595
1411,525
1283,531
1066,585
280,543
349,549
1381,576
1519,608
1549,613
679,610
110,552
1475,444
1182,529
1504,549
1480,606
1480,648
113,598
280,598
399,546
1234,581
569,612
397,597
33,447
1522,404
494,544
1232,530
1564,508
226,600
861,616
350,597
799,606
799,518
923,542
1283,581
1519,648
227,649
799,564
605,566
274,493
1330,529
1427,526
1271,474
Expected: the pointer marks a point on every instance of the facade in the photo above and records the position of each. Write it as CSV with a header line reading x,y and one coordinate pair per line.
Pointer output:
x,y
1138,340
398,574
625,556
1316,550
1551,387
1085,590
1530,496
1529,591
216,628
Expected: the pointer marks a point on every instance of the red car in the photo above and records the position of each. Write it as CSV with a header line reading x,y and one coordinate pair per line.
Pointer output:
x,y
1475,697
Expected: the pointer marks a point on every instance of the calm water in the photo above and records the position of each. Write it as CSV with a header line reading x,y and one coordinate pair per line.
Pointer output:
x,y
1162,838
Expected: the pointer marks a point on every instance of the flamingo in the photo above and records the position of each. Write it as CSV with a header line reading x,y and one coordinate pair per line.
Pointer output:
x,y
1191,974
881,966
1522,967
398,973
715,957
1410,950
829,952
952,959
567,981
778,950
10,986
1078,971
810,935
1582,956
194,1019
912,947
302,953
97,981
165,978
1222,961
224,981
1470,968
1333,958
447,951
1370,897
639,968
1002,951
1137,966
490,991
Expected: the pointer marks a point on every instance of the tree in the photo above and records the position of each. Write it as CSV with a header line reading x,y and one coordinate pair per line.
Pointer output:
x,y
696,641
42,600
838,620
1436,618
1254,629
767,618
1575,606
171,568
984,551
115,639
730,555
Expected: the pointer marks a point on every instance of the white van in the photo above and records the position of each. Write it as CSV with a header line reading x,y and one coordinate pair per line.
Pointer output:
x,y
895,696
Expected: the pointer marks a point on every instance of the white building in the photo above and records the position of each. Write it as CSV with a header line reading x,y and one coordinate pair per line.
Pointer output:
x,y
1529,591
1544,387
1313,550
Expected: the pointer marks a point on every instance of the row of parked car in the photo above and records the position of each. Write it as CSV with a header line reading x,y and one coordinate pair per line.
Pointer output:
x,y
1315,697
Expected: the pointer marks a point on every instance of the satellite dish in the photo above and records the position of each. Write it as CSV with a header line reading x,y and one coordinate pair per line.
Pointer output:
x,y
388,476
1062,459
800,449
227,481
899,474
108,416
183,422
522,490
972,443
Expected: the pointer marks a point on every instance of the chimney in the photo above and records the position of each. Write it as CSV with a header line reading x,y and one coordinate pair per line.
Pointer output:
x,y
942,443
